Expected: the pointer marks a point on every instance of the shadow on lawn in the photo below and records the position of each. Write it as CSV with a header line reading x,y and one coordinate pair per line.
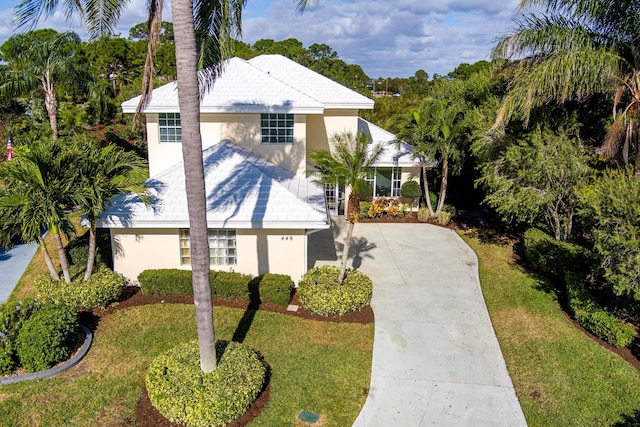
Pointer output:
x,y
632,420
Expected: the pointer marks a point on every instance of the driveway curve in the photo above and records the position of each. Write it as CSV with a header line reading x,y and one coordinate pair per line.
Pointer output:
x,y
436,358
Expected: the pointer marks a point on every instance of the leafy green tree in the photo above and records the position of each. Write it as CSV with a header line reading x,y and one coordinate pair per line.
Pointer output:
x,y
537,178
611,205
570,50
37,188
347,164
40,64
99,175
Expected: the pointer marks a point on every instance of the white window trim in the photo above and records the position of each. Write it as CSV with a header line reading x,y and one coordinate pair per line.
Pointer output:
x,y
270,132
176,135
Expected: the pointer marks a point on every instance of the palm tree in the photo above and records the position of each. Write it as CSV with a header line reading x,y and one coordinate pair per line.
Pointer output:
x,y
100,175
571,50
347,164
434,131
414,129
40,61
38,186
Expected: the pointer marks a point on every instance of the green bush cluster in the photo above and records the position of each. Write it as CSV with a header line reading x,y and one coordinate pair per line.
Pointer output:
x,y
184,394
273,288
224,284
320,293
594,318
47,337
166,282
553,257
230,284
12,318
101,289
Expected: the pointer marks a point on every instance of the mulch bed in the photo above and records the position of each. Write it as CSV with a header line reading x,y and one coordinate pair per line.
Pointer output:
x,y
147,415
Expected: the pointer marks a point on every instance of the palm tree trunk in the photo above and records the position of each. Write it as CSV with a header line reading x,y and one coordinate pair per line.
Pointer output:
x,y
443,184
189,101
92,252
425,184
64,265
48,261
345,253
51,104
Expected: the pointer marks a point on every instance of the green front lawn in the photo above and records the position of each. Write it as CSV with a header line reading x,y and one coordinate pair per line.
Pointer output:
x,y
561,376
321,367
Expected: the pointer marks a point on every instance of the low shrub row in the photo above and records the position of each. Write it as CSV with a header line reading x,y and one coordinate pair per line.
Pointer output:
x,y
101,289
383,207
35,336
594,318
182,393
320,293
553,257
270,288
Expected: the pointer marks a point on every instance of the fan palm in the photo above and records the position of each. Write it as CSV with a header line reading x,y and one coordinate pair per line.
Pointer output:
x,y
347,164
40,61
571,50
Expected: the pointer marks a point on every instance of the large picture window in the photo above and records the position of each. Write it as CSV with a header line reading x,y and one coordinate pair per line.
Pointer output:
x,y
170,127
222,247
276,128
385,181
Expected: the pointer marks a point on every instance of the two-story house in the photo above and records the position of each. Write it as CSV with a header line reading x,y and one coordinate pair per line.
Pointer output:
x,y
259,123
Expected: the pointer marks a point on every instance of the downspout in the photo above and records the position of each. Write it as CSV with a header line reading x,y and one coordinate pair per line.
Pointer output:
x,y
308,233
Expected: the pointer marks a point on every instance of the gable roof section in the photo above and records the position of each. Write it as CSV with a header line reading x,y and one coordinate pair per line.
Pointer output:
x,y
243,191
330,93
392,154
265,84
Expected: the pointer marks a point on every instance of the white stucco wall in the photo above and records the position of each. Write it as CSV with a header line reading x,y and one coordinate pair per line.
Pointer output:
x,y
259,251
241,129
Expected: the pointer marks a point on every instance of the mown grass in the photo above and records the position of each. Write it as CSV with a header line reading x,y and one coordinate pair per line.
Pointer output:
x,y
316,366
561,376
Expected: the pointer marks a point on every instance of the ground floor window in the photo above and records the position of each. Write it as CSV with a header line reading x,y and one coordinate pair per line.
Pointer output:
x,y
385,182
222,247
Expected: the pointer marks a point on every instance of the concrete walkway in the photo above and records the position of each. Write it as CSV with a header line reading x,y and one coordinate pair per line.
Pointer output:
x,y
436,359
12,264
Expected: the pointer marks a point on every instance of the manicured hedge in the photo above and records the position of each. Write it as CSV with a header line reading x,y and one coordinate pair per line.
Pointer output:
x,y
166,282
224,284
182,393
101,289
594,318
47,337
274,288
320,293
553,257
230,284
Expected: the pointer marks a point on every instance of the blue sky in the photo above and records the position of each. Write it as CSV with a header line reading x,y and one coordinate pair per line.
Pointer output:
x,y
388,38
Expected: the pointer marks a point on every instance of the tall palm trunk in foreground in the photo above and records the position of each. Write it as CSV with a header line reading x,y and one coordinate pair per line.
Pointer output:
x,y
189,101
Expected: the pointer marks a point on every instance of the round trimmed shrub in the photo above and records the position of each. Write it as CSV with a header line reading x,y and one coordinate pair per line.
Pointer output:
x,y
47,337
411,190
12,317
103,287
182,393
320,293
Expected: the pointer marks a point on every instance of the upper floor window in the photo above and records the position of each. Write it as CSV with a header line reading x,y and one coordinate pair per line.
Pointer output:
x,y
222,247
276,128
170,127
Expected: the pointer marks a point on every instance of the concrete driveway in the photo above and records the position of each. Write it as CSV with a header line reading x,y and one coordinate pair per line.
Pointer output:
x,y
12,264
436,359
